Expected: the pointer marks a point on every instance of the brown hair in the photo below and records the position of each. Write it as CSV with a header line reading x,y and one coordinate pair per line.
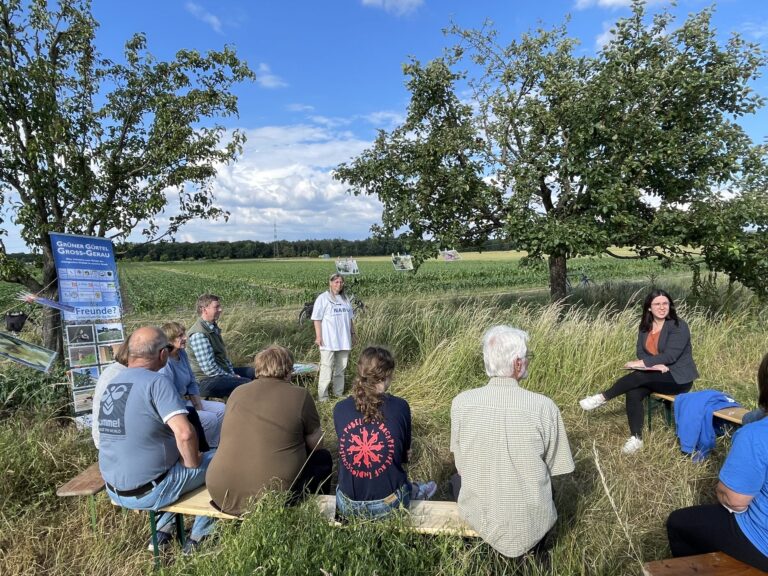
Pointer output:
x,y
762,384
173,330
204,300
121,354
273,362
375,365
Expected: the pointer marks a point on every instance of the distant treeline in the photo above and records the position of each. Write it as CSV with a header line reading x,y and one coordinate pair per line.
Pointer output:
x,y
166,251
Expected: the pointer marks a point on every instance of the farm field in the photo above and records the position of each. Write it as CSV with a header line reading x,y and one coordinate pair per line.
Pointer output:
x,y
157,287
611,509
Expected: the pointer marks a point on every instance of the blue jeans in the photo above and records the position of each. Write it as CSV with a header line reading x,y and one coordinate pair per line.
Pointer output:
x,y
223,385
179,480
753,416
373,508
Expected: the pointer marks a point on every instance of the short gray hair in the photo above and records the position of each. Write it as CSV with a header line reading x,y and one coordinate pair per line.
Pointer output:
x,y
502,345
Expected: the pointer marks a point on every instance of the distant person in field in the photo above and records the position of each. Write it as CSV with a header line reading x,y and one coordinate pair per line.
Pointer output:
x,y
374,432
664,364
215,374
107,375
738,523
179,371
271,439
507,443
148,453
332,316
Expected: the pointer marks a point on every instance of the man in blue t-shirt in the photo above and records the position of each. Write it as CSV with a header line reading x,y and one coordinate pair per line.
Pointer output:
x,y
148,452
738,524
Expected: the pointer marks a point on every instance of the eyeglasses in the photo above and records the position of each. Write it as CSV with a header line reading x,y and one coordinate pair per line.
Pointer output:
x,y
660,304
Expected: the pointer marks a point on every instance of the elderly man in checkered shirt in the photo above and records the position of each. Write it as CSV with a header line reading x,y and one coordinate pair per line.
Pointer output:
x,y
215,374
507,443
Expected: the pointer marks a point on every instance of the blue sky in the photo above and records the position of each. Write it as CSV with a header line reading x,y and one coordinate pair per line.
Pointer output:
x,y
329,74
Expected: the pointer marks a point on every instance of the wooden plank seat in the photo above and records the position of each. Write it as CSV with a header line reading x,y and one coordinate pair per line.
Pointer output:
x,y
426,516
712,564
88,483
732,415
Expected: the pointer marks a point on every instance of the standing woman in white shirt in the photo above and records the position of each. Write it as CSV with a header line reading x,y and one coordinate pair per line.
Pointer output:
x,y
332,317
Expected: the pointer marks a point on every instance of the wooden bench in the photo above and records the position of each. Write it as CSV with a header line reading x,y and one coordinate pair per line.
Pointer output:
x,y
732,415
88,483
426,516
712,564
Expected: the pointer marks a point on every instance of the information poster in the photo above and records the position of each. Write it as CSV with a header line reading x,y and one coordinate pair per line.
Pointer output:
x,y
89,294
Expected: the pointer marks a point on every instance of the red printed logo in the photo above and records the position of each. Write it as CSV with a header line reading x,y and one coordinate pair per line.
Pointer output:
x,y
366,448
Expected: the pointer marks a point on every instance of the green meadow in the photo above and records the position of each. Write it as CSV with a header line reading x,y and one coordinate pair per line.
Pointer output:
x,y
612,509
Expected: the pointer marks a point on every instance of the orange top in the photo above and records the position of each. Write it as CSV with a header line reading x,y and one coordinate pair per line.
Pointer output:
x,y
652,342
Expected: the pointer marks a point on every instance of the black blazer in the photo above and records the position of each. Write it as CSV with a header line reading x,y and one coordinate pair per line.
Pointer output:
x,y
674,351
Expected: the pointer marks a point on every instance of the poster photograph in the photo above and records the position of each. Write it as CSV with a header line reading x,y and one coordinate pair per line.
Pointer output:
x,y
450,255
109,333
107,354
80,334
82,377
347,266
83,399
82,356
29,355
402,263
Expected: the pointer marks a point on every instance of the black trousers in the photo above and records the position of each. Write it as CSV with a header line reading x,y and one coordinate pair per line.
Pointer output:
x,y
315,478
711,528
637,386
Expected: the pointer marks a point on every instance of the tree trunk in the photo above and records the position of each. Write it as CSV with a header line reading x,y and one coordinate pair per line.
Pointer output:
x,y
52,329
557,275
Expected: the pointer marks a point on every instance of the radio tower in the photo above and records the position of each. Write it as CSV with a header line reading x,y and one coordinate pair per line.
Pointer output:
x,y
275,251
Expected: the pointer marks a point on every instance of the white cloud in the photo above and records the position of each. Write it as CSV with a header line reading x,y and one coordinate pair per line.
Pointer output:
x,y
398,7
386,120
285,177
605,36
610,4
757,30
266,79
204,16
298,107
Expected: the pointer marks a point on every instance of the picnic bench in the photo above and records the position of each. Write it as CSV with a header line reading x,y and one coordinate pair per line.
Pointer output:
x,y
426,516
732,415
88,483
712,564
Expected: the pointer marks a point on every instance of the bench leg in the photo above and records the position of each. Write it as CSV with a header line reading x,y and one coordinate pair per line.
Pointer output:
x,y
650,411
153,530
668,412
92,508
180,529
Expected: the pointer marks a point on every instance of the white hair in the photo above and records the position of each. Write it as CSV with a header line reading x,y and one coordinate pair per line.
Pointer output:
x,y
502,345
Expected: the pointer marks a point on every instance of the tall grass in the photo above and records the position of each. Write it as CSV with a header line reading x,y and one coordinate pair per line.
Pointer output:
x,y
611,509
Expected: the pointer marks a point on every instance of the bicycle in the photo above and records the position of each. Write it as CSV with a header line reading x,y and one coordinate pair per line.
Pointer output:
x,y
358,306
584,281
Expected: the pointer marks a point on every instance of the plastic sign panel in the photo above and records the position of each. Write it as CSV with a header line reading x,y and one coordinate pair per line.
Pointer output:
x,y
347,267
89,297
402,263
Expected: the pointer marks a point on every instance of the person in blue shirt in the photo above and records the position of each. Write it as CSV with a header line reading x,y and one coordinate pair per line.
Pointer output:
x,y
374,431
738,523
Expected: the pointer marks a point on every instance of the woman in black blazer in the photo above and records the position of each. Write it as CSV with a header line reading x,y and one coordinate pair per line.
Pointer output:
x,y
664,364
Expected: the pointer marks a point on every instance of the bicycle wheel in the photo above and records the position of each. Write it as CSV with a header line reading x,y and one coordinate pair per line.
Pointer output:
x,y
305,314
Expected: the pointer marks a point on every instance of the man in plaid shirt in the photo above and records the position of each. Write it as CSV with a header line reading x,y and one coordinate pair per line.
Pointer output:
x,y
215,374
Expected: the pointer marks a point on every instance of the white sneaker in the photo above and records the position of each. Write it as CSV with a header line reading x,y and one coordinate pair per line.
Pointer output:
x,y
632,445
592,402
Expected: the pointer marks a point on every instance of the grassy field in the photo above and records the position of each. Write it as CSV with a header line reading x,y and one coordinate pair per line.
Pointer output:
x,y
612,508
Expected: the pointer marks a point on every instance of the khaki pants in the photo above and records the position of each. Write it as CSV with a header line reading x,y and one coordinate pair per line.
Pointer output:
x,y
332,367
